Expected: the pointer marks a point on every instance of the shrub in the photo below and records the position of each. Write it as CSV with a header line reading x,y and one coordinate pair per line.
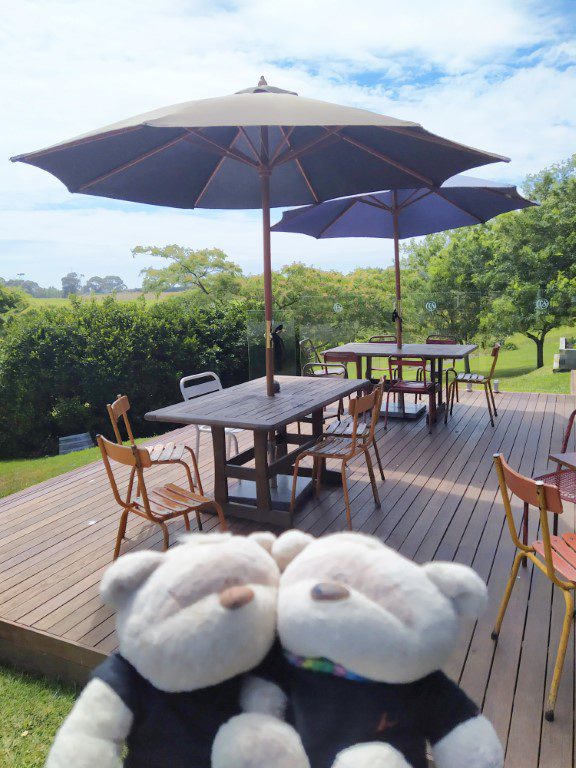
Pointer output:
x,y
60,366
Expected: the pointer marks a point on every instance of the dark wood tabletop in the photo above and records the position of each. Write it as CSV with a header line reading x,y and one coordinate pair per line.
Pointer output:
x,y
247,406
436,351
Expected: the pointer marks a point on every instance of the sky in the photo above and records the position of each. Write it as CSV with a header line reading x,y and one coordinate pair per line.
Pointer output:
x,y
499,75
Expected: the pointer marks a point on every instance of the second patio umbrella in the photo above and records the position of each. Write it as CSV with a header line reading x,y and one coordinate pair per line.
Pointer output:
x,y
259,148
397,214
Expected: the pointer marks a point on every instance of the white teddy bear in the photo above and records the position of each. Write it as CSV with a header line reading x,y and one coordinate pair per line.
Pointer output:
x,y
190,623
366,632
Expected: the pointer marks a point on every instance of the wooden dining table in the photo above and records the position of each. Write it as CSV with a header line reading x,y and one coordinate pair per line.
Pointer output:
x,y
262,491
435,354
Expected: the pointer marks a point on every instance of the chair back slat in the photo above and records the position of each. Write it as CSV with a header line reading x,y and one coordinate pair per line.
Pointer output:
x,y
438,338
119,410
199,384
337,370
495,352
128,455
385,339
528,490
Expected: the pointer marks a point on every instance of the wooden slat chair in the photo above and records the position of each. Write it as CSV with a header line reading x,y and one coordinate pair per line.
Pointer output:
x,y
159,504
160,453
199,385
389,338
563,479
344,427
555,556
472,378
398,385
344,449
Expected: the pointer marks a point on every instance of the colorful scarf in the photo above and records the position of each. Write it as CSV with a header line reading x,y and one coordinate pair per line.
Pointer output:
x,y
325,666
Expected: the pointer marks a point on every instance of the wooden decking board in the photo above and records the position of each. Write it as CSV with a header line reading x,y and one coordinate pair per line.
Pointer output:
x,y
440,501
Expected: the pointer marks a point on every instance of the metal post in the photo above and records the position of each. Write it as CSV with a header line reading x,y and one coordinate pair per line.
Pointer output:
x,y
397,271
265,185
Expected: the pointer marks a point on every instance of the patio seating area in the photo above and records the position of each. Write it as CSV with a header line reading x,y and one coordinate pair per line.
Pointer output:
x,y
440,500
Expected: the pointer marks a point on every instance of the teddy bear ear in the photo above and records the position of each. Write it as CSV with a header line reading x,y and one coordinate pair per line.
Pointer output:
x,y
127,574
288,545
265,539
461,585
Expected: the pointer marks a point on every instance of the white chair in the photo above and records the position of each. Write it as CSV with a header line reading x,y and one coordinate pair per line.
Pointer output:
x,y
200,384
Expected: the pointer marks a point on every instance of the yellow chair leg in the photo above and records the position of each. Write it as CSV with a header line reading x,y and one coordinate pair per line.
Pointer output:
x,y
507,593
568,616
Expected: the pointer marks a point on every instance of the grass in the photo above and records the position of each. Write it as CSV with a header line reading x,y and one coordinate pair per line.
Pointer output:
x,y
120,295
33,709
16,474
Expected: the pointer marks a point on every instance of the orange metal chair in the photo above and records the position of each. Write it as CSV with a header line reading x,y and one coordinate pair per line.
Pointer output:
x,y
473,378
389,338
344,449
555,556
161,503
563,479
161,453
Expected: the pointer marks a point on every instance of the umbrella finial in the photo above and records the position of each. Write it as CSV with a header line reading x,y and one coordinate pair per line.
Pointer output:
x,y
262,81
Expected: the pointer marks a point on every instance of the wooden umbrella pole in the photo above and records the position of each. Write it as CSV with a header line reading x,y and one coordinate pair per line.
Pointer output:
x,y
265,184
397,271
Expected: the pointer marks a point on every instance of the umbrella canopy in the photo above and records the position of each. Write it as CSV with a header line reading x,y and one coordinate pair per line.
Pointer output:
x,y
396,214
259,148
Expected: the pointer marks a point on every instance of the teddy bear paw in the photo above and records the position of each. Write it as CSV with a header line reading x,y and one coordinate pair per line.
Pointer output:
x,y
256,740
371,755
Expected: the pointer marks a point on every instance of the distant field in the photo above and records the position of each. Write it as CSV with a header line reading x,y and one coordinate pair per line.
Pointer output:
x,y
121,296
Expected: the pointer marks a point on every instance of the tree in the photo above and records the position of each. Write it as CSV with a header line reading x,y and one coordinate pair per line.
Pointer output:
x,y
108,284
533,262
209,272
12,301
71,283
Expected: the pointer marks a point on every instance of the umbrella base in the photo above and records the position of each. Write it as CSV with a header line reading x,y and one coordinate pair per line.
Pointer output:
x,y
409,412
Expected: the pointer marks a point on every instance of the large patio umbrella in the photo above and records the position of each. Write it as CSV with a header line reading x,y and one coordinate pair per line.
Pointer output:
x,y
397,214
259,148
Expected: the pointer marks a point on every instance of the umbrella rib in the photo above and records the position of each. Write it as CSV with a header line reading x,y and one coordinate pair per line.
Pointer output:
x,y
250,143
74,143
193,133
411,199
295,153
336,218
130,163
214,172
389,160
460,207
285,140
375,203
301,169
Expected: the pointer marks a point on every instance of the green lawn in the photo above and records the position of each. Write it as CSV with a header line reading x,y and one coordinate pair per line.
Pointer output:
x,y
16,474
32,711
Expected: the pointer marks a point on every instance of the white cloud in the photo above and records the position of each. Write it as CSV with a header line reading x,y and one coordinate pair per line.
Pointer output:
x,y
499,75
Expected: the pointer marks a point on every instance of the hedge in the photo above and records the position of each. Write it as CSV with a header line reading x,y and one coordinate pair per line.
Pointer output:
x,y
60,366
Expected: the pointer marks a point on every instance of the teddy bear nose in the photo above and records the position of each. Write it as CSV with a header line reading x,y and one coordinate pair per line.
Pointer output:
x,y
235,597
329,590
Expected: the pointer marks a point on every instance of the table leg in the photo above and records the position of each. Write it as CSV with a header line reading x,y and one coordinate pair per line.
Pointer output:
x,y
263,501
220,480
359,367
439,382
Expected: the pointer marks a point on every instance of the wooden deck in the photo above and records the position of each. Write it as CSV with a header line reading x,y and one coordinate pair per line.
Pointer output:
x,y
439,501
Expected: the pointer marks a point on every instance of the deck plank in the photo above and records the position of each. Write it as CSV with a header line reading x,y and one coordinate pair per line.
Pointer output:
x,y
439,501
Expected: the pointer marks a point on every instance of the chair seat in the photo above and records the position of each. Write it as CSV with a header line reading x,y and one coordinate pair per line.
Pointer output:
x,y
330,446
412,387
564,480
166,452
170,500
344,427
471,377
563,554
